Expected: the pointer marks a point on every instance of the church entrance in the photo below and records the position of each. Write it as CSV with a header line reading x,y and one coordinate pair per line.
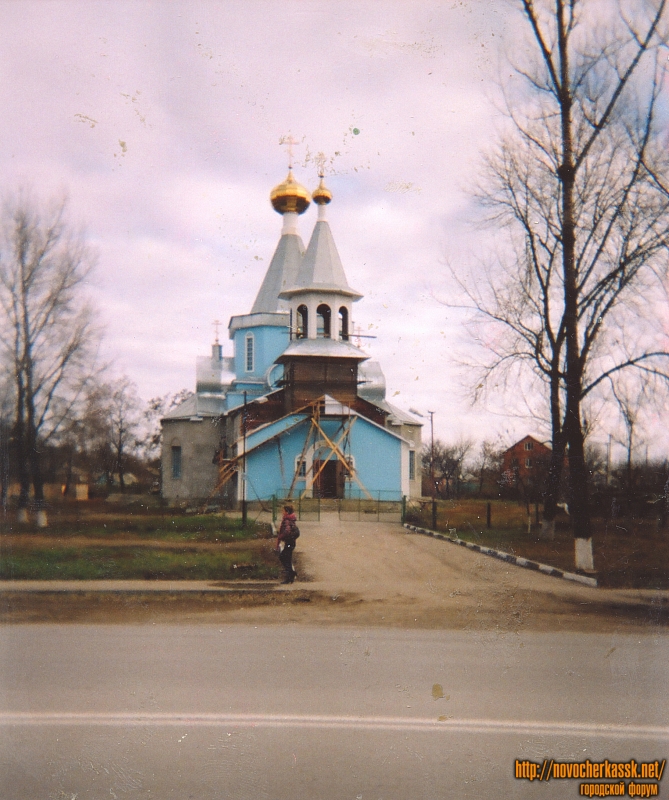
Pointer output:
x,y
330,483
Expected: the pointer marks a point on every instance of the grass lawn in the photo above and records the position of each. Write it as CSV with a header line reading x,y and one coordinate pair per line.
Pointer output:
x,y
96,563
95,522
628,553
110,546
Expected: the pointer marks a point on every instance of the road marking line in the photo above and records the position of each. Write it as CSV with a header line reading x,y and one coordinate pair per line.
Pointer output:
x,y
334,722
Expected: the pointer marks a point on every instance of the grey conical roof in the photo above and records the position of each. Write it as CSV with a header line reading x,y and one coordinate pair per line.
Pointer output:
x,y
321,268
281,273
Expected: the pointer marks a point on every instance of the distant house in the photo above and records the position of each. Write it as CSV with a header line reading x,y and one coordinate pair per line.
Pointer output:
x,y
525,463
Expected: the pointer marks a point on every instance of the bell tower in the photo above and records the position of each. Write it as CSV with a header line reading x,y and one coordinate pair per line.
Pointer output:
x,y
321,299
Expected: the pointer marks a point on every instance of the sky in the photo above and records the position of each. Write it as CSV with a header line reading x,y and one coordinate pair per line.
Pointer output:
x,y
162,123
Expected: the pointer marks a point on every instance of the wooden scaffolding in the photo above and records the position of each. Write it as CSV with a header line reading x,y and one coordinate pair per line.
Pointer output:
x,y
335,447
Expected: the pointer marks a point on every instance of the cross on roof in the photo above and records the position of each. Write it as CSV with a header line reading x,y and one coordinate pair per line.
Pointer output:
x,y
290,141
320,163
217,324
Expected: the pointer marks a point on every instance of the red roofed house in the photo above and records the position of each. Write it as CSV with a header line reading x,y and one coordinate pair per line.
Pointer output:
x,y
525,463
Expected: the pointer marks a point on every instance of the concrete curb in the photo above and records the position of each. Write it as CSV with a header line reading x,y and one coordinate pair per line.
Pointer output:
x,y
554,572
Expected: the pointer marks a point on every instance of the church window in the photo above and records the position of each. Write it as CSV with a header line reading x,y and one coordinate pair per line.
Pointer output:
x,y
301,467
323,318
529,445
412,465
528,463
343,323
302,322
176,462
250,352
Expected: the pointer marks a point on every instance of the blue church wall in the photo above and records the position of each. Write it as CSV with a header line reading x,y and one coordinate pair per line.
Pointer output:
x,y
235,396
376,457
268,431
271,466
268,344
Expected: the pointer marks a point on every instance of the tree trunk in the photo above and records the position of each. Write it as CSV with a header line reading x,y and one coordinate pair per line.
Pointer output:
x,y
578,484
33,450
554,477
4,464
119,461
21,453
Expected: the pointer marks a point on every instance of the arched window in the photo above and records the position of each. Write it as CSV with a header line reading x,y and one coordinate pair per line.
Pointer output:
x,y
302,322
343,323
323,319
176,462
249,352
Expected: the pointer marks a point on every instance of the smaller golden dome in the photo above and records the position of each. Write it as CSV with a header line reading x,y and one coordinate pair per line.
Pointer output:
x,y
290,196
322,196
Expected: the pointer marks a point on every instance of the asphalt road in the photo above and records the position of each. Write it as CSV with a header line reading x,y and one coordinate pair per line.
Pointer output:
x,y
211,712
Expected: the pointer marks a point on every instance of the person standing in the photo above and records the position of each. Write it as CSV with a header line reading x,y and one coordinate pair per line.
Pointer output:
x,y
288,533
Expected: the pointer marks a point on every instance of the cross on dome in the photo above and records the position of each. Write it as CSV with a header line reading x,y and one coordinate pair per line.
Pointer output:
x,y
289,141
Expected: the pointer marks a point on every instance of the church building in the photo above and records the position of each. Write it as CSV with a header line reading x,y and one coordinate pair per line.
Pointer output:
x,y
298,410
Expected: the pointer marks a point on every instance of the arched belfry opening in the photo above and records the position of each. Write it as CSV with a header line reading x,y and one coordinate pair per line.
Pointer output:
x,y
323,321
302,328
343,324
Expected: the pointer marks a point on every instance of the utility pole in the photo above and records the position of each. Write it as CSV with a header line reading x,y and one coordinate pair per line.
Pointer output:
x,y
434,499
244,510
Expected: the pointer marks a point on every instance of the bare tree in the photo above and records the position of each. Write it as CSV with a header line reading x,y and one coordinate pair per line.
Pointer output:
x,y
488,463
124,421
6,407
155,410
448,464
573,183
45,329
636,399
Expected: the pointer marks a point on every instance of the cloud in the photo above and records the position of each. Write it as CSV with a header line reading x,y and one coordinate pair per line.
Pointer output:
x,y
162,122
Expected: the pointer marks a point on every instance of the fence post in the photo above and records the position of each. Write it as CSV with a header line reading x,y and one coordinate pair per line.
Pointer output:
x,y
404,508
434,515
378,506
299,508
488,515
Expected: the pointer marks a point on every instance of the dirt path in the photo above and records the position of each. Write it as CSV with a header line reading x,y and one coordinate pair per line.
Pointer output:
x,y
383,575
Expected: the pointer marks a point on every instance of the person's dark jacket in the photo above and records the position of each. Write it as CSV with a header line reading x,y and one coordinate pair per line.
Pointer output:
x,y
287,529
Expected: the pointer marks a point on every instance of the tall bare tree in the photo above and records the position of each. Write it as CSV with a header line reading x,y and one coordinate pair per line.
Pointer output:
x,y
124,419
573,182
45,330
6,417
155,410
448,461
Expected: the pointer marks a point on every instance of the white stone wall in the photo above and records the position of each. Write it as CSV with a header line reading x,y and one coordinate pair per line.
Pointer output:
x,y
412,433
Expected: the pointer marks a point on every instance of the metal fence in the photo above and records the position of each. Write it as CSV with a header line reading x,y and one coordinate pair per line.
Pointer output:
x,y
380,510
357,509
307,509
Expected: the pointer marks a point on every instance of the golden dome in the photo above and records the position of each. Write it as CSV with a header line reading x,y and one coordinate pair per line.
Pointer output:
x,y
290,196
322,196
